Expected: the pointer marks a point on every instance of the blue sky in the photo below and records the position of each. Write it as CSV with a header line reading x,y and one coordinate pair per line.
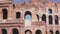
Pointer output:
x,y
55,0
28,17
19,1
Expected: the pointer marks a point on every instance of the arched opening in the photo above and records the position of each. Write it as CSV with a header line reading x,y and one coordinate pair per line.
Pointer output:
x,y
55,4
51,32
13,5
28,32
38,32
15,31
5,13
37,16
56,20
50,19
57,32
4,31
50,11
28,15
18,15
44,17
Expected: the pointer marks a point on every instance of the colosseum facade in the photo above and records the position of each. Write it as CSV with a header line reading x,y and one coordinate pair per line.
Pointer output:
x,y
44,17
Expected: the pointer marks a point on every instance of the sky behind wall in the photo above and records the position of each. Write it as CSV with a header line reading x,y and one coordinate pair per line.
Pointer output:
x,y
55,0
20,1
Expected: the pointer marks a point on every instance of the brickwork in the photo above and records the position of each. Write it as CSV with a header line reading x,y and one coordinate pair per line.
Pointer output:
x,y
39,7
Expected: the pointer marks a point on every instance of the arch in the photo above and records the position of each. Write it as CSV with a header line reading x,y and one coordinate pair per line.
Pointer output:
x,y
15,31
50,19
50,10
56,4
37,16
56,19
38,32
26,32
57,32
5,13
4,31
13,5
44,17
18,15
51,32
28,15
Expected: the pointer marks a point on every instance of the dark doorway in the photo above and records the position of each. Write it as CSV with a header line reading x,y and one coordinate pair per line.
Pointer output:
x,y
50,11
38,32
56,20
37,16
57,32
51,32
5,13
18,15
50,19
4,31
15,31
44,17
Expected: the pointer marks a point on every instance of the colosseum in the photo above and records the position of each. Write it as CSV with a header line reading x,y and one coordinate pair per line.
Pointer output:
x,y
43,17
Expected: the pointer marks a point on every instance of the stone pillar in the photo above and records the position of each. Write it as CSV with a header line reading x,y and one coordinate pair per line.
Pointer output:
x,y
54,32
43,31
1,14
48,30
21,30
53,16
53,20
47,20
40,15
0,31
9,31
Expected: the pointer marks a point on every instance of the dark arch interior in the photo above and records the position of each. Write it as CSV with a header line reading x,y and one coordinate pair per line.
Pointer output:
x,y
51,31
44,17
15,31
27,13
5,13
37,16
4,31
50,19
18,15
50,10
28,31
55,4
13,6
57,32
38,32
56,20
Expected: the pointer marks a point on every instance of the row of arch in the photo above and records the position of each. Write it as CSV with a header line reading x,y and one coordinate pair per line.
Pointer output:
x,y
28,14
56,32
50,32
18,14
15,31
50,18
